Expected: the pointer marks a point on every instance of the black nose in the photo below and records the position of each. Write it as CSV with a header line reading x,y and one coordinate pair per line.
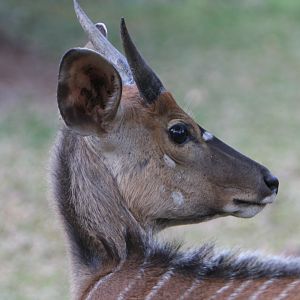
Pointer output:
x,y
272,182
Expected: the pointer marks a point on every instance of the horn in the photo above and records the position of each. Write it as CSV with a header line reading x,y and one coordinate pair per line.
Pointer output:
x,y
103,46
149,85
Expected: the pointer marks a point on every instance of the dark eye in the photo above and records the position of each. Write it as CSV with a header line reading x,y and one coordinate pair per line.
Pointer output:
x,y
179,133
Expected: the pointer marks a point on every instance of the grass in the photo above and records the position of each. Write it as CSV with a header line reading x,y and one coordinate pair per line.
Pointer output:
x,y
235,64
31,249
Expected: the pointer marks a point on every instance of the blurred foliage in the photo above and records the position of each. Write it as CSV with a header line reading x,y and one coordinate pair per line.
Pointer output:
x,y
234,64
52,26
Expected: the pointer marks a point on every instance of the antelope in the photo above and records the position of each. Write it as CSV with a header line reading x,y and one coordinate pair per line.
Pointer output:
x,y
129,162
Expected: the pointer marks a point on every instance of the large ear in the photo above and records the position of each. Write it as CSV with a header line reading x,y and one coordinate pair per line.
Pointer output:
x,y
89,91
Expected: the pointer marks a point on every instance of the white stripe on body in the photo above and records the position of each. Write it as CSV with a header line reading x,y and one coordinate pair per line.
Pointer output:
x,y
163,279
102,280
221,290
194,284
262,289
288,289
239,290
131,283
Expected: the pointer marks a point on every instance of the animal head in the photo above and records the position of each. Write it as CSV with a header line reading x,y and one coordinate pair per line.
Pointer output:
x,y
168,169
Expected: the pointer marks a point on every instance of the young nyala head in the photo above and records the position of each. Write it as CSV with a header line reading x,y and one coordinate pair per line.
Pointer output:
x,y
168,169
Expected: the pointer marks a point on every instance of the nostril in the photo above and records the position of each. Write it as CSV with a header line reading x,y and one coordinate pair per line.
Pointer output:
x,y
272,182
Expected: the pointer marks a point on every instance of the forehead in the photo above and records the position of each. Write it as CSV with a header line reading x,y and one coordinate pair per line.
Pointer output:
x,y
164,109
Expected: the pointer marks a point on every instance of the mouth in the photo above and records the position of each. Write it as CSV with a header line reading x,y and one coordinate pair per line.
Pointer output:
x,y
262,203
246,208
244,203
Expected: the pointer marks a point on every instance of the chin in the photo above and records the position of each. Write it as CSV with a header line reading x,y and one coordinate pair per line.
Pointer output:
x,y
248,212
244,210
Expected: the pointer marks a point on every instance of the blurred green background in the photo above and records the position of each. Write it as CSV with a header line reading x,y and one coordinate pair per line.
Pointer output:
x,y
235,64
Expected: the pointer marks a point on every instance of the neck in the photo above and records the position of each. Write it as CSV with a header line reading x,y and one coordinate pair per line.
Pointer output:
x,y
100,229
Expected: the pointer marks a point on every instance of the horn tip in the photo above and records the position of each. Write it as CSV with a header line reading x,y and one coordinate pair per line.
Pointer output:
x,y
75,3
123,25
77,8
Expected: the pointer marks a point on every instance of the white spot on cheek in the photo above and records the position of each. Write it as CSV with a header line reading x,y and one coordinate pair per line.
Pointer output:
x,y
169,161
207,136
177,198
162,189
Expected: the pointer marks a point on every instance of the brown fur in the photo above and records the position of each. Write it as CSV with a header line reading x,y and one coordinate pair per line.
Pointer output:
x,y
93,175
119,176
142,283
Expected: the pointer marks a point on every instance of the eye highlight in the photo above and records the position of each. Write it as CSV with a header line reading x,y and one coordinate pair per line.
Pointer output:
x,y
179,133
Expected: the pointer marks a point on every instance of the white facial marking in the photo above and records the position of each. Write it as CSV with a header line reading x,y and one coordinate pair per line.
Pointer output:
x,y
169,161
269,199
230,208
162,189
249,212
243,212
177,198
207,136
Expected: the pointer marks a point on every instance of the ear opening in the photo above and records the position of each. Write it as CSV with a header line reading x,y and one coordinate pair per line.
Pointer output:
x,y
89,91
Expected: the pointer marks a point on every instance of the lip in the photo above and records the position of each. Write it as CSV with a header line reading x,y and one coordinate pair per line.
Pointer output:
x,y
244,208
241,202
267,200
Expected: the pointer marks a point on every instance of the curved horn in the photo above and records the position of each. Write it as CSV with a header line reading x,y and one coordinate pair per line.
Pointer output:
x,y
149,85
103,46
